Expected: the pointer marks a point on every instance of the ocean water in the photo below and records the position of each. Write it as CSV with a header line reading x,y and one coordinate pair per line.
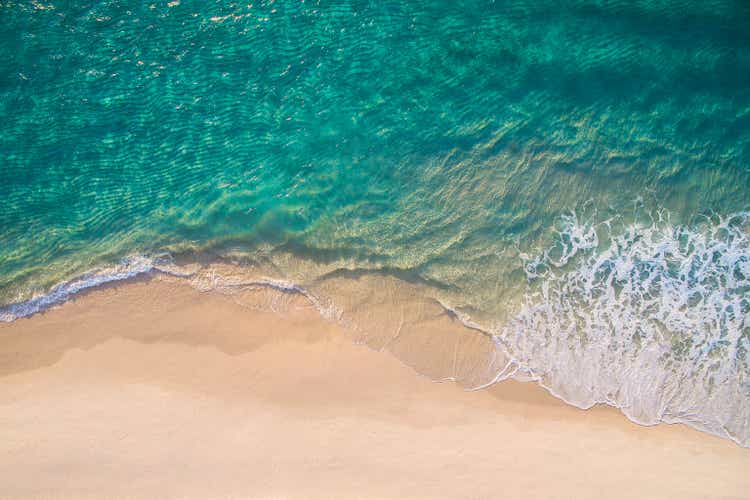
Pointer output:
x,y
569,179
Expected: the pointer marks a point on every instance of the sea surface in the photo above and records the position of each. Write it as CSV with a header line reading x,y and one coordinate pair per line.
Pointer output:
x,y
571,179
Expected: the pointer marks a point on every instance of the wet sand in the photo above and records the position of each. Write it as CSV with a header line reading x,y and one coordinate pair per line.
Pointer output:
x,y
151,389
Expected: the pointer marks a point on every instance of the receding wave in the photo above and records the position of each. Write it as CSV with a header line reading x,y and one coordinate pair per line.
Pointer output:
x,y
652,318
128,268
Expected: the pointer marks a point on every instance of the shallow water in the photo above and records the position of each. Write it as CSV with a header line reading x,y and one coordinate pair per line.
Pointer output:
x,y
572,180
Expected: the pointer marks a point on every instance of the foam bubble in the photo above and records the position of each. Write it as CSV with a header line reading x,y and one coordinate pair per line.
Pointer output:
x,y
654,320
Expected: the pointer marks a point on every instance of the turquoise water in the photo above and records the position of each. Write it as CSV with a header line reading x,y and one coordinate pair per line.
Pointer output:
x,y
575,176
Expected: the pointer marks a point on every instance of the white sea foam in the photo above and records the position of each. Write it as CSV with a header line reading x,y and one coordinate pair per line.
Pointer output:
x,y
651,318
127,268
202,279
654,320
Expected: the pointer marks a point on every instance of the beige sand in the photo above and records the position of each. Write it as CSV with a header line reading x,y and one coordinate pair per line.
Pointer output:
x,y
150,389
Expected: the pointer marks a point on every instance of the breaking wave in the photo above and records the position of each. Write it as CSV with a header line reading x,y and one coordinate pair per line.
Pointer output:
x,y
653,320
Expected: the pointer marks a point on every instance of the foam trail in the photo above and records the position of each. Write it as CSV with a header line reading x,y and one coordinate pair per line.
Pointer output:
x,y
128,268
654,320
656,323
213,281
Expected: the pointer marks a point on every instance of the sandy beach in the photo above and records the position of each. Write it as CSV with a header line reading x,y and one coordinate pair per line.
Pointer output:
x,y
151,389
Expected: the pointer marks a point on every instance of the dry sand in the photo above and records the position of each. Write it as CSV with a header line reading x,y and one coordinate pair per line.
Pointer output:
x,y
150,389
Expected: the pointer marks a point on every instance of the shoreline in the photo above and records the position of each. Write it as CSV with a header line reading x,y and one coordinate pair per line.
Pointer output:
x,y
223,275
148,387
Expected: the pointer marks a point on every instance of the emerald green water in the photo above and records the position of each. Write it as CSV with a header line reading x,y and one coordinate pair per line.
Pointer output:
x,y
535,161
